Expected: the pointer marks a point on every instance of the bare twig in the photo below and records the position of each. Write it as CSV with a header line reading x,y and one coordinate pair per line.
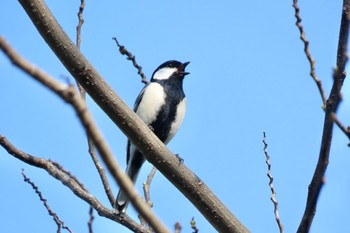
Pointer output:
x,y
194,226
61,168
71,184
91,220
333,101
78,39
273,191
83,96
70,95
346,130
147,185
81,22
55,217
101,172
132,58
312,65
177,227
146,188
308,54
91,145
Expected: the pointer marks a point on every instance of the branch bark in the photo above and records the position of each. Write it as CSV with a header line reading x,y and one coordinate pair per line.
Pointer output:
x,y
70,95
153,149
68,181
331,107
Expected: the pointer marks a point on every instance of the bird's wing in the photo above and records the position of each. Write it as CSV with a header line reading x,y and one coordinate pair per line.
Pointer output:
x,y
136,105
128,152
139,98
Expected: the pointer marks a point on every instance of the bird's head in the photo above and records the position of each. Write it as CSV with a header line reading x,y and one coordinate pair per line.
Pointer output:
x,y
170,69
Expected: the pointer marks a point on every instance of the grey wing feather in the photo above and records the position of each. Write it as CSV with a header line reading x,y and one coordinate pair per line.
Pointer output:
x,y
139,98
136,105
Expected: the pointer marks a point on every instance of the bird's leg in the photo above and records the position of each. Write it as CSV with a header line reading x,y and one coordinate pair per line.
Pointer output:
x,y
181,160
151,128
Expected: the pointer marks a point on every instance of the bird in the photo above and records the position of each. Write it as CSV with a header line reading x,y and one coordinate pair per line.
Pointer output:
x,y
161,104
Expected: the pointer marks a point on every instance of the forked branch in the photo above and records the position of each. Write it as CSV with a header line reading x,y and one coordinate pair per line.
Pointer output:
x,y
331,108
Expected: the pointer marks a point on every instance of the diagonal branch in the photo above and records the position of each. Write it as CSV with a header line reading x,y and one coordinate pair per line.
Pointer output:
x,y
331,107
68,181
133,127
71,96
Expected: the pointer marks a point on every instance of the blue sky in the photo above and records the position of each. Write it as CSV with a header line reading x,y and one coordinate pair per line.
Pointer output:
x,y
248,75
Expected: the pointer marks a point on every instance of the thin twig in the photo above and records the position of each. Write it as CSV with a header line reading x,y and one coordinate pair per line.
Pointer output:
x,y
78,39
132,58
333,101
61,168
147,186
307,53
91,220
312,65
273,191
346,130
83,96
80,23
91,145
101,172
69,182
55,217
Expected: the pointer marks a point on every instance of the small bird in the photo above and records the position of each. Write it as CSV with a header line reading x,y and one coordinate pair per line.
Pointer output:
x,y
161,104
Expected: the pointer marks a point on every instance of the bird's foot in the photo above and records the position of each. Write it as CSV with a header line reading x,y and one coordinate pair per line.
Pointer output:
x,y
151,128
181,160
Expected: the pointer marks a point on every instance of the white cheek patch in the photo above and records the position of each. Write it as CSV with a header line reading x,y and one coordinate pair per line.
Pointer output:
x,y
152,101
180,113
164,73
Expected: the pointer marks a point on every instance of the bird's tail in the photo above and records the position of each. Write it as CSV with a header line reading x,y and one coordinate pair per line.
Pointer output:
x,y
132,171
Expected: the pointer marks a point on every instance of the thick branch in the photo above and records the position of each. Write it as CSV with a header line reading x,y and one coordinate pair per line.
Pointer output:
x,y
331,107
70,95
67,180
154,150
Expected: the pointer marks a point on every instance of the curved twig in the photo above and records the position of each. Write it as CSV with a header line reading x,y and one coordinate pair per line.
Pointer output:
x,y
308,54
273,191
55,217
132,58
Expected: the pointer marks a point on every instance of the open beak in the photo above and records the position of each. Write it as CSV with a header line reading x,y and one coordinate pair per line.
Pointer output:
x,y
182,67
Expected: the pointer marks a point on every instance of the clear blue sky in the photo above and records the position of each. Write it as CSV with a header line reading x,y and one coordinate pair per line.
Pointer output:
x,y
248,75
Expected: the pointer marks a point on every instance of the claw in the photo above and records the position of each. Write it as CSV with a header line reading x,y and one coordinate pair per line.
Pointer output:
x,y
181,160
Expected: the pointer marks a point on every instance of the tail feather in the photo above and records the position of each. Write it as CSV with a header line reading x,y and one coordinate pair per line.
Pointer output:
x,y
135,161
